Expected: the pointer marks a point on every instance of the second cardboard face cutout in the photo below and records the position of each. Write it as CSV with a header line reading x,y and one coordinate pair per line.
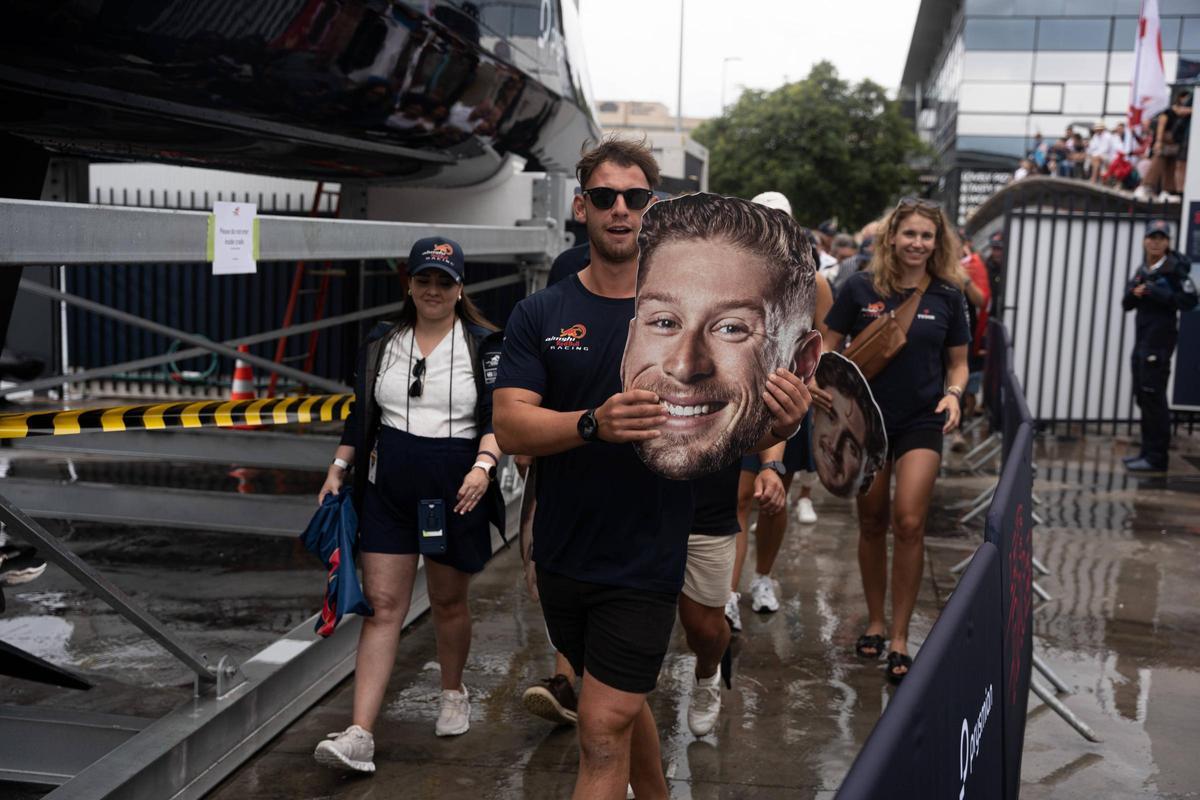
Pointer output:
x,y
849,441
724,297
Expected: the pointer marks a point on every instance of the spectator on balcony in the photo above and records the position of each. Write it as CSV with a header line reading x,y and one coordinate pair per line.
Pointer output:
x,y
1099,151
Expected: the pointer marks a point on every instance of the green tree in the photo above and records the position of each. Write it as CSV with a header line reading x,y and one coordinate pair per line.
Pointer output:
x,y
833,148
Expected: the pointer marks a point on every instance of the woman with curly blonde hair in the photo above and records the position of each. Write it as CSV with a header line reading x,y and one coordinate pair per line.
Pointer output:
x,y
918,392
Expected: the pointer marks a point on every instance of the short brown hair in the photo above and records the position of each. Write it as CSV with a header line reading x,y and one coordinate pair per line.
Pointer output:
x,y
623,153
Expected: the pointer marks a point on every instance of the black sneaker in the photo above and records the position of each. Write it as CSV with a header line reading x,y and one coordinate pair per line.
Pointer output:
x,y
553,699
19,565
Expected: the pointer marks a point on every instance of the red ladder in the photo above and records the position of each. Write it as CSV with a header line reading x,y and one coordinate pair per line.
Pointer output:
x,y
321,291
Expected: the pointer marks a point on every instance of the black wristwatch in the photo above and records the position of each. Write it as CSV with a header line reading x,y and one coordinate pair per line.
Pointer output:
x,y
778,466
589,429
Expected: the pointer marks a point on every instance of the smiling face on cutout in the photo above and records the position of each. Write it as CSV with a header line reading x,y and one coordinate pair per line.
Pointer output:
x,y
850,442
699,340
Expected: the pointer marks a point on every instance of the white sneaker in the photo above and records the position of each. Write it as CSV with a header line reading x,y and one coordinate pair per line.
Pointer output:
x,y
705,704
353,749
805,511
455,718
1142,193
762,595
732,612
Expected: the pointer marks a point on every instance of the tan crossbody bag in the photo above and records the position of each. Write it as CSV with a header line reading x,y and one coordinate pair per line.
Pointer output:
x,y
879,342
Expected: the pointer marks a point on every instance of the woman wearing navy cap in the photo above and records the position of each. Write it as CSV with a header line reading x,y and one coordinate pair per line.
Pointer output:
x,y
424,457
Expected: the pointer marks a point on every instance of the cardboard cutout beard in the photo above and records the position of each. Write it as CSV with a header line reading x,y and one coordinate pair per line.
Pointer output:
x,y
849,443
725,293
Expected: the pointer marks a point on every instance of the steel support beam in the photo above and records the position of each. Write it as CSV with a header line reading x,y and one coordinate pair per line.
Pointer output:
x,y
51,548
265,515
307,378
49,746
267,336
35,232
261,449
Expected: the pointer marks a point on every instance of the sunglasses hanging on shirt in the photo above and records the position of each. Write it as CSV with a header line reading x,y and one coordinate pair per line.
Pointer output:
x,y
418,385
604,198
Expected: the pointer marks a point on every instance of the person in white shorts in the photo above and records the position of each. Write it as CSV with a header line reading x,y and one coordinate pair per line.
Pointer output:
x,y
711,548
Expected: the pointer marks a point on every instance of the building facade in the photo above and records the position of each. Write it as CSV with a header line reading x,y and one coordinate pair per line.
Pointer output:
x,y
984,77
684,161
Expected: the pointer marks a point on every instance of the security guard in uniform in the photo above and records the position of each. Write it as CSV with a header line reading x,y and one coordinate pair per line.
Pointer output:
x,y
1159,290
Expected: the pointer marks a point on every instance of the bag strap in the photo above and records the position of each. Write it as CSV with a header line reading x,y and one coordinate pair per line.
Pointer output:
x,y
908,309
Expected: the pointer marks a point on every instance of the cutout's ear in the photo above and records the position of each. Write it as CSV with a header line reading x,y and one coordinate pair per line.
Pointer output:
x,y
577,208
808,353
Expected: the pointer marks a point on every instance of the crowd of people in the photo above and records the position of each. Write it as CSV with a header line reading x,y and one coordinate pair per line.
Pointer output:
x,y
616,544
1149,162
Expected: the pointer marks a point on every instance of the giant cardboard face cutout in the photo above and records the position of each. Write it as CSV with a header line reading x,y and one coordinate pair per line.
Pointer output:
x,y
725,297
849,441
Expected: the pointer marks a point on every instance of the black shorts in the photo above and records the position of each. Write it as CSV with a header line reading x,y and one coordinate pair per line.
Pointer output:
x,y
618,635
901,442
415,468
714,509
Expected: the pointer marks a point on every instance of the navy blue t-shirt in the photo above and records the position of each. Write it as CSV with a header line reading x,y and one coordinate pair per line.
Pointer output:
x,y
909,388
569,262
716,496
602,515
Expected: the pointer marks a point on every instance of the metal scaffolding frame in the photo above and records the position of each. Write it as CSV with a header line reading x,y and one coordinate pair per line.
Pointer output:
x,y
236,708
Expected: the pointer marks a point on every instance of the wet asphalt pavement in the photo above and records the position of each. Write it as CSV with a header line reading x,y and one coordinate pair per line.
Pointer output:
x,y
1121,630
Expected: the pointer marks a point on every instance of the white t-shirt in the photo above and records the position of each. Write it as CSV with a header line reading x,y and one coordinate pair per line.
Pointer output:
x,y
444,408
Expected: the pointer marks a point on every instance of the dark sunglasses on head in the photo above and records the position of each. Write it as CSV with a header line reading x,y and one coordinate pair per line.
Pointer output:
x,y
418,384
603,197
919,202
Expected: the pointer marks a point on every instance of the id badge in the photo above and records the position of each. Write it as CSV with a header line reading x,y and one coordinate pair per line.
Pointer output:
x,y
371,467
431,514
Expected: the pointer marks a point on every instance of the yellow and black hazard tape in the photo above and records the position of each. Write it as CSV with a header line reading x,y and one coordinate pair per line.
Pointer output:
x,y
160,416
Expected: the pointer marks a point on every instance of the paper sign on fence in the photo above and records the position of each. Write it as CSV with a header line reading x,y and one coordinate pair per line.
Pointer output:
x,y
233,238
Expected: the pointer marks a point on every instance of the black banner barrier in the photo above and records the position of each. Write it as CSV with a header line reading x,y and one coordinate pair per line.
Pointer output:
x,y
940,735
994,370
1010,528
1015,412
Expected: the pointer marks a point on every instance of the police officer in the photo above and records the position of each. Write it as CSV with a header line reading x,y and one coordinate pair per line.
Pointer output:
x,y
1159,290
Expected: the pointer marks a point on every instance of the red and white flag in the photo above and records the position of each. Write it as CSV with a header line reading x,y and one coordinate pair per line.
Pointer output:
x,y
1148,94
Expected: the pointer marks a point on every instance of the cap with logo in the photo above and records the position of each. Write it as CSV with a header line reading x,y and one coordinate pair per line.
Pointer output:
x,y
436,253
1158,227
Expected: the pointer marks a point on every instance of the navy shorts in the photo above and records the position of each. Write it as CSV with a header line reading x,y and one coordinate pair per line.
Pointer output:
x,y
619,635
415,468
797,455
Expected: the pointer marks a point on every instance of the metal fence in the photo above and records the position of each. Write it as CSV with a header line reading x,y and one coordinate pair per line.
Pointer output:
x,y
1071,249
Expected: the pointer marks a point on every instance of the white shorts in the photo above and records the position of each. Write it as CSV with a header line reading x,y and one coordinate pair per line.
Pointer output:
x,y
709,571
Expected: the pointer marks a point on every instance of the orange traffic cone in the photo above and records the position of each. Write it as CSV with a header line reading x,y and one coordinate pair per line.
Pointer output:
x,y
243,385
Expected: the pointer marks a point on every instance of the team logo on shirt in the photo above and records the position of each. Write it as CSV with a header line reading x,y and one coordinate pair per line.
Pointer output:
x,y
569,338
873,310
491,365
925,313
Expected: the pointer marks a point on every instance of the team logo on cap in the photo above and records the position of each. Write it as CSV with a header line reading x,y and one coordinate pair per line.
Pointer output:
x,y
440,252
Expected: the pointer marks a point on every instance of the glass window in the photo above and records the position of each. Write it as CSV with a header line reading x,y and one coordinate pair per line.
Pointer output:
x,y
993,66
1059,67
991,124
1080,33
1125,33
1033,8
994,98
1176,6
1191,34
999,34
1189,67
998,145
1083,98
1048,98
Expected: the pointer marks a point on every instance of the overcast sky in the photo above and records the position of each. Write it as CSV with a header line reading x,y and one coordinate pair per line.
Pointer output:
x,y
633,45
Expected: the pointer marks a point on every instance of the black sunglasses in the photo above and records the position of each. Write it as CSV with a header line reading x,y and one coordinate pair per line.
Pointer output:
x,y
919,202
418,385
603,197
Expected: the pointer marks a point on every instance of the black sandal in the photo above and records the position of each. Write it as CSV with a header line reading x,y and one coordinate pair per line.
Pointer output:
x,y
872,641
895,661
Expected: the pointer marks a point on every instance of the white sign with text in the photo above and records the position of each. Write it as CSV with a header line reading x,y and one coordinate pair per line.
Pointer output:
x,y
232,238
